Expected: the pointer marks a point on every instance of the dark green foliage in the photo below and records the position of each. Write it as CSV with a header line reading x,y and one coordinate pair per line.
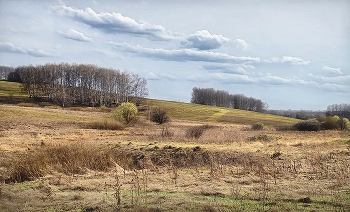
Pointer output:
x,y
14,77
308,125
159,115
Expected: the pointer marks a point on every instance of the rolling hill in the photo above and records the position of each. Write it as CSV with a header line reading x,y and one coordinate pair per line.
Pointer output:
x,y
179,110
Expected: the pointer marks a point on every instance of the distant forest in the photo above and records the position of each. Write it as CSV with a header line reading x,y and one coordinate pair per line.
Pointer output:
x,y
219,98
72,84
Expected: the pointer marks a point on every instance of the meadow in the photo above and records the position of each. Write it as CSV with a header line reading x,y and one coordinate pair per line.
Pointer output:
x,y
56,159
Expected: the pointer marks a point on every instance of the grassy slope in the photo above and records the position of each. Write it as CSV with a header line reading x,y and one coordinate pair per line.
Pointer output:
x,y
187,111
217,114
11,89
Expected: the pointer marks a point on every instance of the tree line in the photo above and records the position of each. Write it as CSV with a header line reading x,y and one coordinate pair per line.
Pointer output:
x,y
341,110
220,98
80,84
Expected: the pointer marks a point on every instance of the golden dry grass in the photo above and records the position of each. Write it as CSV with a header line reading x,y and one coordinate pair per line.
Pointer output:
x,y
228,168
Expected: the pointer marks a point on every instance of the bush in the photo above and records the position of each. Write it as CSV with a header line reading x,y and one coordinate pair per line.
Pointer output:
x,y
159,115
258,126
126,113
344,124
196,131
308,125
331,123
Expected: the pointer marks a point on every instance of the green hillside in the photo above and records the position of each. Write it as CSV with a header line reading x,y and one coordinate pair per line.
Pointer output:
x,y
197,112
11,89
180,110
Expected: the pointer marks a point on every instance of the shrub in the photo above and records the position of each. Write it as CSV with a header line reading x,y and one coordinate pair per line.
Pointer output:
x,y
344,124
126,113
197,131
159,115
308,125
258,126
331,123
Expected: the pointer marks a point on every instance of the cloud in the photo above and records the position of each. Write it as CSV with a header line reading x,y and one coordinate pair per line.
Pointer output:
x,y
152,76
182,54
197,78
229,68
117,23
332,70
203,40
343,80
334,88
114,23
275,80
75,35
233,78
288,59
170,77
242,44
11,48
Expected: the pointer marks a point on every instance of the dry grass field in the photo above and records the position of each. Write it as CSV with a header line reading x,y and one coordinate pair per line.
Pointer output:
x,y
53,159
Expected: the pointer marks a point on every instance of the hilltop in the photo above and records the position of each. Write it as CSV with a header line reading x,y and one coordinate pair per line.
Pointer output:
x,y
13,92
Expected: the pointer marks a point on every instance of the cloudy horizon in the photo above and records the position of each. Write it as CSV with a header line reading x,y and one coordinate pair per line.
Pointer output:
x,y
291,55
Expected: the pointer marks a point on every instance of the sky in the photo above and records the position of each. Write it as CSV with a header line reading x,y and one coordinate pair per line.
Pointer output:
x,y
289,54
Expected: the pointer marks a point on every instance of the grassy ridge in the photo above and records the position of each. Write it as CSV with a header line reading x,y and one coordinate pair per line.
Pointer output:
x,y
217,114
180,110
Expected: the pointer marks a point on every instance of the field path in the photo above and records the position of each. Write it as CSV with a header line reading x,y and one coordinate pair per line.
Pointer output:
x,y
215,117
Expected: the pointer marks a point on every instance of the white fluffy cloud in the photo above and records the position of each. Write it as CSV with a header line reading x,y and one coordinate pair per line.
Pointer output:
x,y
203,40
182,54
242,44
114,23
332,70
117,23
76,35
288,59
11,48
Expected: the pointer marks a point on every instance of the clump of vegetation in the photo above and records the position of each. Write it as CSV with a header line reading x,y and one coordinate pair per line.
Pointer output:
x,y
166,132
335,123
197,131
330,123
103,108
106,124
258,126
264,137
159,115
126,113
308,125
344,124
69,158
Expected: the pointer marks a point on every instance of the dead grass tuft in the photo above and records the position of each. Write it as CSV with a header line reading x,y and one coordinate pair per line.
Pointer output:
x,y
70,158
106,124
27,104
197,131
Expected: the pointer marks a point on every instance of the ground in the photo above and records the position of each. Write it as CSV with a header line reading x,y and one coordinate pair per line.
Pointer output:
x,y
51,160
